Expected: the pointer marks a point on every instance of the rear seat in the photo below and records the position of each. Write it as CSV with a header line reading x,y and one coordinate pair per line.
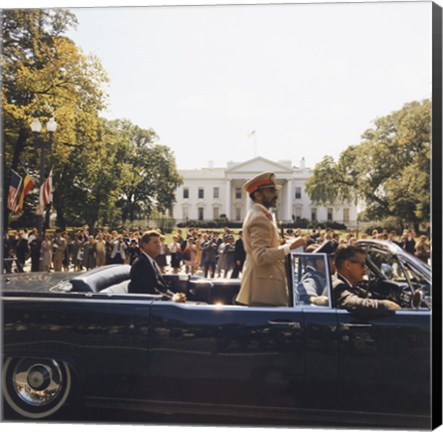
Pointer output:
x,y
100,278
121,288
114,279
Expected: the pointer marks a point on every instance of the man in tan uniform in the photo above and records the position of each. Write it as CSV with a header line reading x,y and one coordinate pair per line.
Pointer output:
x,y
264,274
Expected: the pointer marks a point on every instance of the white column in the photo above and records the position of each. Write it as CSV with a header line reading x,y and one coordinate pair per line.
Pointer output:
x,y
289,200
228,199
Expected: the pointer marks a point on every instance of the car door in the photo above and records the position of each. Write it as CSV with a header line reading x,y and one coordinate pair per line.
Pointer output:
x,y
226,355
320,333
385,362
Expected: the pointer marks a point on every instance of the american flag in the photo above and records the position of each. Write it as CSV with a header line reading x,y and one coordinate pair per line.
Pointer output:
x,y
14,191
46,191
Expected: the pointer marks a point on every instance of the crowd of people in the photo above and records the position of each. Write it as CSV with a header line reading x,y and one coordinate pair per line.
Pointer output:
x,y
208,252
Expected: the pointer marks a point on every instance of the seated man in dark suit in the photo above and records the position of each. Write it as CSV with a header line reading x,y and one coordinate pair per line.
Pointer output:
x,y
145,275
351,269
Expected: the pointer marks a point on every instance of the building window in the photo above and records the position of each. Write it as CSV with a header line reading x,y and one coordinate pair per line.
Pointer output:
x,y
216,192
237,213
185,213
201,213
185,192
330,215
313,214
237,193
298,193
297,213
216,213
345,215
201,193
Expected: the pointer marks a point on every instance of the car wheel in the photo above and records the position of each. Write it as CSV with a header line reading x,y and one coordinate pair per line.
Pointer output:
x,y
35,387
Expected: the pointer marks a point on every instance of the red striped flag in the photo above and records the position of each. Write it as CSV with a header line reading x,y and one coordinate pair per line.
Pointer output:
x,y
28,184
15,186
46,191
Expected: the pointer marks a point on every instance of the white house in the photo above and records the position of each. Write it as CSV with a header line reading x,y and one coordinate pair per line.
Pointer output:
x,y
208,193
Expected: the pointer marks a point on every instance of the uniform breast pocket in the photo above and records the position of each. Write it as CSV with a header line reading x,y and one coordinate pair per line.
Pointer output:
x,y
271,273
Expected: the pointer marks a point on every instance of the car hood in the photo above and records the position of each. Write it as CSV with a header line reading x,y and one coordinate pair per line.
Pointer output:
x,y
37,282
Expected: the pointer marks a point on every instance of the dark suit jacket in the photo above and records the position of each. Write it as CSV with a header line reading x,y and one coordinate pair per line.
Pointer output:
x,y
144,278
350,298
240,253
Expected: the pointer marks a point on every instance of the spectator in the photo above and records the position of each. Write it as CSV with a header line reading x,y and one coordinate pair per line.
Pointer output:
x,y
408,242
35,250
226,251
46,253
239,256
209,257
189,256
76,248
89,253
22,249
175,251
132,251
67,253
161,257
118,253
59,245
100,250
422,249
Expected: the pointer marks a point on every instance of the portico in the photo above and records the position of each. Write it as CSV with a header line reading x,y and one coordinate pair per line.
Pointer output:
x,y
209,193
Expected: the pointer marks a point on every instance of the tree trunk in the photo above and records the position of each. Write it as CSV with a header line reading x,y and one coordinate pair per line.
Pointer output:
x,y
18,150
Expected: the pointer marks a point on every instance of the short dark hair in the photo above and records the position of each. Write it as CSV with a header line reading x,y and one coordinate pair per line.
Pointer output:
x,y
346,252
146,237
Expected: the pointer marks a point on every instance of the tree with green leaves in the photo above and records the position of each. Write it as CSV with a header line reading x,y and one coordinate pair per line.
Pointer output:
x,y
148,171
46,75
104,172
389,171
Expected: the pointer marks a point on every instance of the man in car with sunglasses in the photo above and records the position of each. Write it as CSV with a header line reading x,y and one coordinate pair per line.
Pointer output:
x,y
351,269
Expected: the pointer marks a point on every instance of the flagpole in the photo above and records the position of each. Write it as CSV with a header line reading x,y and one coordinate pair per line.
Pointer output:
x,y
42,177
250,135
36,127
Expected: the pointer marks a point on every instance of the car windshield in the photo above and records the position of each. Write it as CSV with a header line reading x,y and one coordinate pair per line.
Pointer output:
x,y
400,269
310,279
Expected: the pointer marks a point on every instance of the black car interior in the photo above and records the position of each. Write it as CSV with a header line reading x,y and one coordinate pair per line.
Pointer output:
x,y
114,279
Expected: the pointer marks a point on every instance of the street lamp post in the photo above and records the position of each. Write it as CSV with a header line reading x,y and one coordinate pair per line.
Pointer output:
x,y
36,127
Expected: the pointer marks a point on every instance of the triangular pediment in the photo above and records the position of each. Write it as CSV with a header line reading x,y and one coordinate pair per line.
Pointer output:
x,y
257,165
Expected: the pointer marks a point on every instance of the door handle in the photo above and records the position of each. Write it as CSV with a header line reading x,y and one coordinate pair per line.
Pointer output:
x,y
348,326
286,323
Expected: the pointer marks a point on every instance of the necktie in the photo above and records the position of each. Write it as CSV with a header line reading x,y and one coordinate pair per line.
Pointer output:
x,y
161,282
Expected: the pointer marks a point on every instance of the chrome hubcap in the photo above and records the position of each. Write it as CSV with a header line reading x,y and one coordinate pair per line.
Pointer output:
x,y
37,384
39,377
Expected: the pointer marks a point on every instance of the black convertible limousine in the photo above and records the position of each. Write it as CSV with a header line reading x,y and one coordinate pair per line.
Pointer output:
x,y
83,337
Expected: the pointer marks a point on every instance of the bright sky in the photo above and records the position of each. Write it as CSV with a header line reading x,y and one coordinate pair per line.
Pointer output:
x,y
308,78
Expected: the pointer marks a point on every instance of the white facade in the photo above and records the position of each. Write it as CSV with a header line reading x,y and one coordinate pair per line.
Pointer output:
x,y
207,193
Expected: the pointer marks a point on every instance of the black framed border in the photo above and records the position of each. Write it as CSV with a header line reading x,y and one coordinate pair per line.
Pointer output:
x,y
437,325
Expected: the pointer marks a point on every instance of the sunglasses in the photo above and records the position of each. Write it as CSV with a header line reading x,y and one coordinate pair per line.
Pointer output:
x,y
362,264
